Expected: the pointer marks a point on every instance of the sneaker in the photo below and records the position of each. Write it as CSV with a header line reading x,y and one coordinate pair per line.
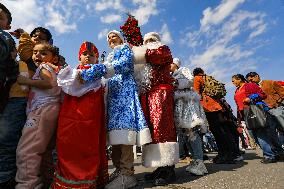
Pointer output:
x,y
280,156
10,184
114,174
268,160
197,168
239,158
122,182
204,169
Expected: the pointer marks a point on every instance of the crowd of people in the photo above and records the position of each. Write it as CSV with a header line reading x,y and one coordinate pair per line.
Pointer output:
x,y
140,95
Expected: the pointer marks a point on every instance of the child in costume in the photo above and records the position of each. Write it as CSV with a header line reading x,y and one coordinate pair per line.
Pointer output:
x,y
126,124
34,151
189,115
81,133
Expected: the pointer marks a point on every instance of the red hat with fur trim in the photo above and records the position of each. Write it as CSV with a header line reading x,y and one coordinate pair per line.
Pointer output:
x,y
88,46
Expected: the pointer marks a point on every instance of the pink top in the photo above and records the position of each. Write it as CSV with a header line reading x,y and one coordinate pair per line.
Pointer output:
x,y
40,97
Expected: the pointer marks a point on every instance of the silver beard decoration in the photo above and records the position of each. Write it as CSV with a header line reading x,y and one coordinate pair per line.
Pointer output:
x,y
143,78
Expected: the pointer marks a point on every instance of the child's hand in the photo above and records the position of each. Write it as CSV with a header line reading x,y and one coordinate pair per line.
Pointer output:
x,y
79,77
23,80
54,67
247,100
17,33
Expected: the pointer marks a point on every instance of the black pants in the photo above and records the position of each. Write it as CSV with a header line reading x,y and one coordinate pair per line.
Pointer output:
x,y
222,132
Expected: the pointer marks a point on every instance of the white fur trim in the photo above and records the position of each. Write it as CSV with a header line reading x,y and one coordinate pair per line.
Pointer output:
x,y
197,122
104,83
177,62
152,35
110,70
187,94
154,45
67,79
125,137
117,33
161,154
139,54
143,137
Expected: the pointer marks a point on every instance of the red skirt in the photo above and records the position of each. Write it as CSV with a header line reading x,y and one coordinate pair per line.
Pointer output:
x,y
81,143
158,108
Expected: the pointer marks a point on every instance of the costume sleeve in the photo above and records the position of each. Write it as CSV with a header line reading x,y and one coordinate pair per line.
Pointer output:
x,y
123,64
25,48
95,72
159,56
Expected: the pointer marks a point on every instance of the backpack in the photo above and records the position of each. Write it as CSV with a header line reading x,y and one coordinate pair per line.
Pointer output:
x,y
213,88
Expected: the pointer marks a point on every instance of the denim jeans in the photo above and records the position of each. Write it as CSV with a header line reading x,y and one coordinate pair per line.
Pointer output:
x,y
273,135
183,143
281,137
262,138
196,146
12,121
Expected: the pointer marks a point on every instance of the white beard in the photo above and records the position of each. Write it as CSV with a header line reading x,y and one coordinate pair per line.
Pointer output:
x,y
154,45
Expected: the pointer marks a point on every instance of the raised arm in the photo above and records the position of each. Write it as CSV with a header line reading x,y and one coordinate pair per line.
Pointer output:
x,y
44,83
25,48
123,60
96,71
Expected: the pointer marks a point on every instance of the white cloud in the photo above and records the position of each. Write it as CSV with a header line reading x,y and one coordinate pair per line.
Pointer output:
x,y
58,21
207,57
111,18
25,13
103,33
109,4
218,14
146,9
141,9
166,35
259,30
191,39
226,48
61,15
64,15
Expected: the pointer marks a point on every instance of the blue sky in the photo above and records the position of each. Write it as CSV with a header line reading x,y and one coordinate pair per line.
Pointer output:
x,y
224,37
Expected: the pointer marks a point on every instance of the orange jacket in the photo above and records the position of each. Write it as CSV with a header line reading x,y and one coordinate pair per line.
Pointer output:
x,y
274,92
209,104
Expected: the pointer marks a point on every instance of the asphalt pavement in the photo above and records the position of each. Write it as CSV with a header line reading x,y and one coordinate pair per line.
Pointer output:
x,y
250,174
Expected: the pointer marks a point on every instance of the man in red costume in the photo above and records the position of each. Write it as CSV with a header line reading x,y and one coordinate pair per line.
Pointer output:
x,y
158,107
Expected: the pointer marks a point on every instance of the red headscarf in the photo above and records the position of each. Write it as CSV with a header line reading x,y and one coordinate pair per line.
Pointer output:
x,y
88,46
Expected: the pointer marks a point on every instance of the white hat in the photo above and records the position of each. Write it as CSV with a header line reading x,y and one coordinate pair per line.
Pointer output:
x,y
117,33
152,35
177,62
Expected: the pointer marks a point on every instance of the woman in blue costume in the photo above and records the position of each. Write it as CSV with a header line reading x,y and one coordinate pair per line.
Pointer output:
x,y
126,123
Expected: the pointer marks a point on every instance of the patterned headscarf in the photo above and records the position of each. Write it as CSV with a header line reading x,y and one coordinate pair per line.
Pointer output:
x,y
88,46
